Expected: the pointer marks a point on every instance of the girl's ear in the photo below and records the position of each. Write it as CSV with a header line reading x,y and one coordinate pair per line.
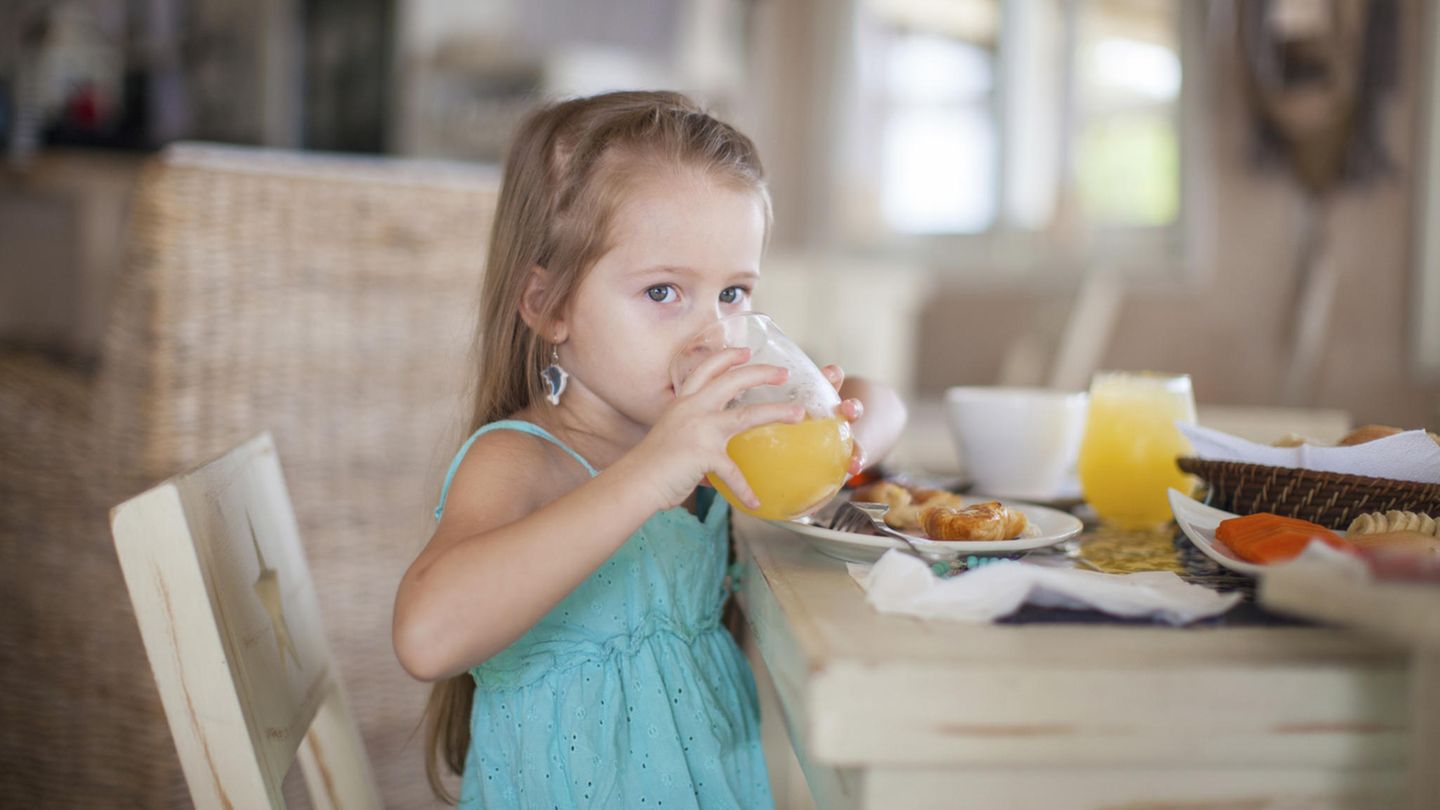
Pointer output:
x,y
532,298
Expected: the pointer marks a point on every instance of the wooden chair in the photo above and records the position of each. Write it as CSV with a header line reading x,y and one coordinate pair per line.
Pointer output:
x,y
232,628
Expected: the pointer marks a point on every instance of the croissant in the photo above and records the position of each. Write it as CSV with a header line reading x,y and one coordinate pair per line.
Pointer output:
x,y
906,503
983,521
886,492
938,497
910,517
903,514
904,518
1394,521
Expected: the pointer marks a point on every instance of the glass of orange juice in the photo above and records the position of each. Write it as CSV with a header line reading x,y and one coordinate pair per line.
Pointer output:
x,y
793,468
1128,451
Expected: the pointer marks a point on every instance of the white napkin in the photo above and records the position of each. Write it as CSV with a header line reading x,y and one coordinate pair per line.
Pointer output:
x,y
900,583
1408,456
1317,553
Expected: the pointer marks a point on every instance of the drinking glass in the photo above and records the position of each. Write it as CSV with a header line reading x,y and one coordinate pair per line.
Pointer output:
x,y
1128,451
792,468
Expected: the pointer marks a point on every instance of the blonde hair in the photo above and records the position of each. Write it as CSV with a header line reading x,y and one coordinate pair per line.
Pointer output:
x,y
569,167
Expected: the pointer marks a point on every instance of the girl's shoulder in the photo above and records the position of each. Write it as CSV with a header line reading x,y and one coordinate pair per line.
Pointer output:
x,y
505,474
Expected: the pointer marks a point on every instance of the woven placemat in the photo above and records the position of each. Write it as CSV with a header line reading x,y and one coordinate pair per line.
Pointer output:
x,y
1166,549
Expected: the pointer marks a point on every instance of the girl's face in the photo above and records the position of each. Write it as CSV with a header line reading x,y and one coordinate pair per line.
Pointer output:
x,y
686,252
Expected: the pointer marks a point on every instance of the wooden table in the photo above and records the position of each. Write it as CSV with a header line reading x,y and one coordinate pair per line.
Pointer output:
x,y
1403,612
894,712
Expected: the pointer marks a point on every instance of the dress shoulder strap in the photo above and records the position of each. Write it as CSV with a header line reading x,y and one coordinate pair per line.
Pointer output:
x,y
505,424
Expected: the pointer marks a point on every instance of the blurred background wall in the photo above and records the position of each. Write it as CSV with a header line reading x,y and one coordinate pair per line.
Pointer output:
x,y
1103,175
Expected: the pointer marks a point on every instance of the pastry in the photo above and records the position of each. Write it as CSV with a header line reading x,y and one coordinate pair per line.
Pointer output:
x,y
1408,542
983,521
904,518
887,492
906,503
1368,433
908,517
1393,521
1360,435
937,497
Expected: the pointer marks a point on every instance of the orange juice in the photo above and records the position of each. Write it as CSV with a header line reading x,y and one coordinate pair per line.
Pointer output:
x,y
791,468
1127,455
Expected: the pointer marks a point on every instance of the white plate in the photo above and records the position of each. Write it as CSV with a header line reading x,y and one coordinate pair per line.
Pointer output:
x,y
1198,521
1052,526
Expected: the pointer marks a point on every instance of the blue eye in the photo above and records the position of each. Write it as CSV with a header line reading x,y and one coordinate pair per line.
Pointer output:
x,y
730,295
660,293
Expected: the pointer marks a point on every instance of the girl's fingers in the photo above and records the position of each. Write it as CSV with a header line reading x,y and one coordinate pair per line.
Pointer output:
x,y
755,415
727,472
851,409
834,374
712,367
733,382
857,458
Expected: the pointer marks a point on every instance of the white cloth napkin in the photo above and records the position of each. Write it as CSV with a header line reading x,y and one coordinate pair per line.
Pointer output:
x,y
900,583
1408,456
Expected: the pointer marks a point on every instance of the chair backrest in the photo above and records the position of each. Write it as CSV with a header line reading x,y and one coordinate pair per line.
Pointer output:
x,y
232,628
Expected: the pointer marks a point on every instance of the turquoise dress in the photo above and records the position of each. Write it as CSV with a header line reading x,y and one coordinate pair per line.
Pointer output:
x,y
629,693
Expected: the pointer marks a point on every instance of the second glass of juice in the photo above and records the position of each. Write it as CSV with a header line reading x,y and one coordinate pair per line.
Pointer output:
x,y
1127,454
793,468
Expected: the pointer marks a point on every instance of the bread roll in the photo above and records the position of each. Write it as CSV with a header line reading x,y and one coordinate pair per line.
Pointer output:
x,y
1368,433
1404,541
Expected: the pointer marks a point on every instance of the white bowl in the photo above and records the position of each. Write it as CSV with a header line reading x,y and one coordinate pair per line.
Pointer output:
x,y
1018,442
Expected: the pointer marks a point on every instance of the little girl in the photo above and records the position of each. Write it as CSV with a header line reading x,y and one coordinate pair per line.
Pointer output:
x,y
569,601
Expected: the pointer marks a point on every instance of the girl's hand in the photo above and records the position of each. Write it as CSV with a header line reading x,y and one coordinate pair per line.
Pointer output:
x,y
849,410
690,438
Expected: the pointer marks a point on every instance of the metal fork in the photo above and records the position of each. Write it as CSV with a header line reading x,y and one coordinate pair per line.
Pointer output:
x,y
862,517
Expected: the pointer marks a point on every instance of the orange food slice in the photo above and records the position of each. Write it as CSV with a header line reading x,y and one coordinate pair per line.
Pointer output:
x,y
1265,538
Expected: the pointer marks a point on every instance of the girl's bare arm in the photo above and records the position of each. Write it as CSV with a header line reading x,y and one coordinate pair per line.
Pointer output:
x,y
504,555
500,560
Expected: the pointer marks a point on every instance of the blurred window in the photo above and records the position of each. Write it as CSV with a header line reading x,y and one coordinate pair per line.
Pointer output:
x,y
1018,131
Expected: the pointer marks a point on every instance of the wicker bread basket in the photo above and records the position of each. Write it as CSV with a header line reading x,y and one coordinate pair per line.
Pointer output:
x,y
1331,499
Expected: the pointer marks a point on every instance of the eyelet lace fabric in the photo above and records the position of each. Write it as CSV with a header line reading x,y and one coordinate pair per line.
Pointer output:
x,y
629,693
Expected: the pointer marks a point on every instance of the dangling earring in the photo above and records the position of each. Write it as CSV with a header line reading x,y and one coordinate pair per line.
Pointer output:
x,y
554,377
